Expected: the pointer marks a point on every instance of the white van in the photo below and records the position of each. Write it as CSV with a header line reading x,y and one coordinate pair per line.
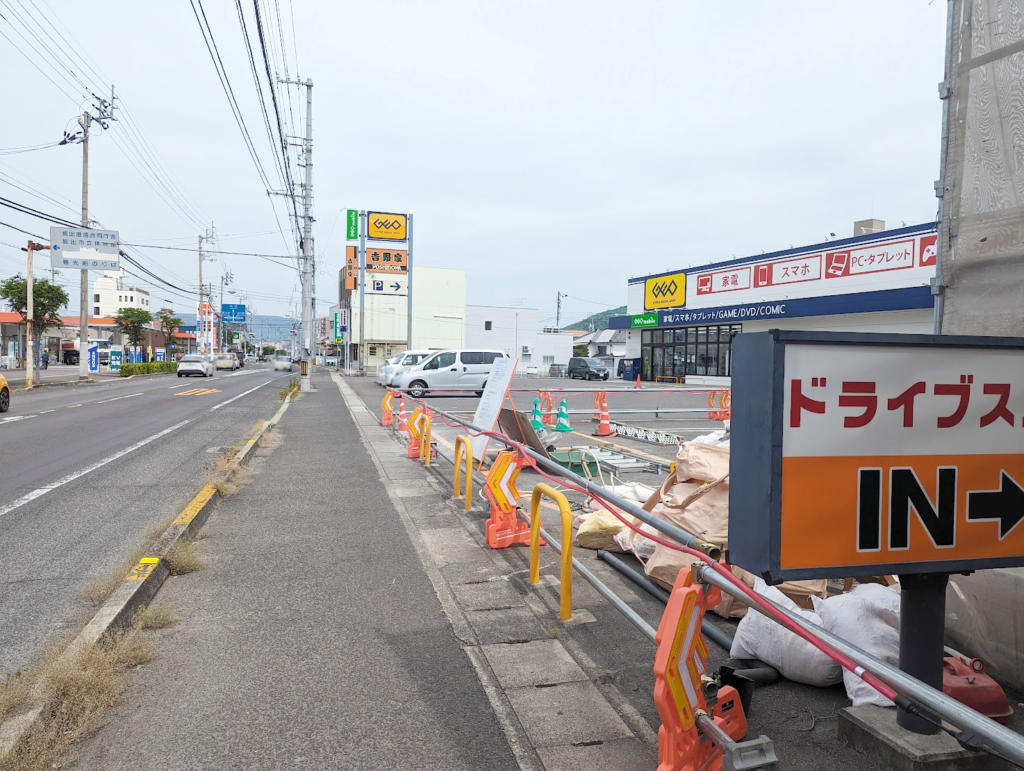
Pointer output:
x,y
449,371
399,364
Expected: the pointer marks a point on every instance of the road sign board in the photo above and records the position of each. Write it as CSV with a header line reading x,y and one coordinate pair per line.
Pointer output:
x,y
84,249
351,224
391,260
161,354
116,357
94,358
501,481
387,283
232,313
382,226
491,400
876,454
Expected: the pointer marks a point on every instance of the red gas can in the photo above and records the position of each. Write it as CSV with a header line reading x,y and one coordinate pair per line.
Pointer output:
x,y
975,689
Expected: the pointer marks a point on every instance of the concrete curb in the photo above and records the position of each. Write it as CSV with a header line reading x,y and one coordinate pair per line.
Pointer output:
x,y
144,580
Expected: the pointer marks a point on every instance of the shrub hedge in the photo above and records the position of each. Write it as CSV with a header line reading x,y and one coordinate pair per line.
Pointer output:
x,y
148,368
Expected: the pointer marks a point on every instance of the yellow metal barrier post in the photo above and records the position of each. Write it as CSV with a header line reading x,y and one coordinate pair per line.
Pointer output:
x,y
425,441
463,446
540,491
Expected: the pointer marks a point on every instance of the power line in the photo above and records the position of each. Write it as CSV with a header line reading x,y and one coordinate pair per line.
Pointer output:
x,y
222,75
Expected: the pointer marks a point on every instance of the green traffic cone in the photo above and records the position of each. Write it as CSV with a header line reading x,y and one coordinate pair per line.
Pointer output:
x,y
562,425
535,418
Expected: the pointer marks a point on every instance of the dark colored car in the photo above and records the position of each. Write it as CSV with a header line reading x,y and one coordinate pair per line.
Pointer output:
x,y
588,369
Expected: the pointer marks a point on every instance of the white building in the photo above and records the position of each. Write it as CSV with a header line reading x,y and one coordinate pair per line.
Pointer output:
x,y
515,331
438,315
608,345
111,294
682,323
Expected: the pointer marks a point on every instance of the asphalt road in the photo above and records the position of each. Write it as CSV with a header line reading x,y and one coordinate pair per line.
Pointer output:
x,y
87,470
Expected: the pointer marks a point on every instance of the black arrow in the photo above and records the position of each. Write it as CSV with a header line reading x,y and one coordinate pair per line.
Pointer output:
x,y
397,286
1005,504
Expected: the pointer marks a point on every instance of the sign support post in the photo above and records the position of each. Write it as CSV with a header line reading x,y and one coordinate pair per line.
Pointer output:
x,y
408,334
922,628
362,292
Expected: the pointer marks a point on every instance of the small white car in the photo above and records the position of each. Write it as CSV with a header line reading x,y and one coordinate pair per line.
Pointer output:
x,y
282,364
398,365
449,371
194,364
226,361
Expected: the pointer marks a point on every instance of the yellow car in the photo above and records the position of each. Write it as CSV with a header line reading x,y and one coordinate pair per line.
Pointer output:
x,y
5,395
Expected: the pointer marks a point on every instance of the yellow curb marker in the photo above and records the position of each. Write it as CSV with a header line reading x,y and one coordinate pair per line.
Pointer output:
x,y
190,512
141,571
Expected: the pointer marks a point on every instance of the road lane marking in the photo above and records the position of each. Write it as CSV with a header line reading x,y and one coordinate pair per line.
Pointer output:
x,y
72,406
118,398
246,393
44,412
180,385
199,392
14,418
40,491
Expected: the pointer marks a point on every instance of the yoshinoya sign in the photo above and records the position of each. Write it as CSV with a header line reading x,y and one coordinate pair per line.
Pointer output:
x,y
868,454
643,320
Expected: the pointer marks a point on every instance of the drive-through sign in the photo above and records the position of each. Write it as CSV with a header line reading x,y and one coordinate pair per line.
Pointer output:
x,y
876,454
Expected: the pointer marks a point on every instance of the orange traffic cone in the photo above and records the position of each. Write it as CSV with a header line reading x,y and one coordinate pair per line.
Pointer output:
x,y
638,380
403,423
605,428
547,409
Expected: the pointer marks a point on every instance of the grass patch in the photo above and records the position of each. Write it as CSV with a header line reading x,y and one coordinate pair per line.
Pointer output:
x,y
182,559
292,387
95,592
76,690
269,440
241,478
156,618
14,693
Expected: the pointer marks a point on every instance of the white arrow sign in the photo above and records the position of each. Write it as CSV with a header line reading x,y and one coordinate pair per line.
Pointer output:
x,y
387,283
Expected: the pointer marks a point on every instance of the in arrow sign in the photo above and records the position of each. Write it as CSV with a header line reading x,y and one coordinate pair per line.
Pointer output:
x,y
1005,504
397,286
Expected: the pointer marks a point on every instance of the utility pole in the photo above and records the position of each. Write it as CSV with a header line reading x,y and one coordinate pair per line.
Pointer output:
x,y
558,311
83,297
307,245
30,315
200,325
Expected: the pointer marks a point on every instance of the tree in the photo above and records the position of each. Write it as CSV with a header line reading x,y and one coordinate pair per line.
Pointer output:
x,y
169,324
132,323
581,350
47,300
268,350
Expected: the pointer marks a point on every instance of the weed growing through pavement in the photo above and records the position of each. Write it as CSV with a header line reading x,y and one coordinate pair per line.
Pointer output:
x,y
96,591
75,690
156,618
292,387
183,559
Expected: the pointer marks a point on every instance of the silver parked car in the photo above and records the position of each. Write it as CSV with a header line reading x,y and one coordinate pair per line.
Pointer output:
x,y
195,364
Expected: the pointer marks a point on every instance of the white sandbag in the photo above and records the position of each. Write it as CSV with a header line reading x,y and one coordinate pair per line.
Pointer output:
x,y
868,617
642,547
758,637
599,531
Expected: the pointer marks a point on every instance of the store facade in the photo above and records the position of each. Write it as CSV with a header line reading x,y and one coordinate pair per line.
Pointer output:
x,y
681,324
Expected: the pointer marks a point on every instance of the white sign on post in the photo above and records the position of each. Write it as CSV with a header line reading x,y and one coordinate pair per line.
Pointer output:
x,y
490,403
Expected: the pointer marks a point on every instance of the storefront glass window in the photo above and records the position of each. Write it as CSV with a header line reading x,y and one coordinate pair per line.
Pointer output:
x,y
688,351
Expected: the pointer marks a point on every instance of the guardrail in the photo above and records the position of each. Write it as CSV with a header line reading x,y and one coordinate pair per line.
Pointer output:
x,y
978,732
547,491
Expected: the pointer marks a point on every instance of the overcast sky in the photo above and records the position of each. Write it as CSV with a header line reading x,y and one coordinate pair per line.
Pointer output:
x,y
542,146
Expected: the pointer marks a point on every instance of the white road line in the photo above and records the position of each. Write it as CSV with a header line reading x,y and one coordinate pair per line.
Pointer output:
x,y
181,385
72,406
118,398
246,393
44,412
89,469
14,418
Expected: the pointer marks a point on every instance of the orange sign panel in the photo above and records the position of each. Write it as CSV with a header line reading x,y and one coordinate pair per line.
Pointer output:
x,y
501,482
884,454
351,267
387,260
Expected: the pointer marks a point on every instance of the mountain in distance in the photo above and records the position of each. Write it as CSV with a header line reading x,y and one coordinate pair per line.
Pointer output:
x,y
596,321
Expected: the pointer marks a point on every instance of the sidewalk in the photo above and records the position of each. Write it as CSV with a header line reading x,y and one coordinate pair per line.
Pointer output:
x,y
314,639
55,373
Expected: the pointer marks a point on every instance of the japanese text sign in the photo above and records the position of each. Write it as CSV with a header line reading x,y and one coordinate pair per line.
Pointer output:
x,y
63,241
665,292
381,226
864,454
391,260
351,224
351,267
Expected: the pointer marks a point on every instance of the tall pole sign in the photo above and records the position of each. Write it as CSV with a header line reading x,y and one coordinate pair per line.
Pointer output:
x,y
351,224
